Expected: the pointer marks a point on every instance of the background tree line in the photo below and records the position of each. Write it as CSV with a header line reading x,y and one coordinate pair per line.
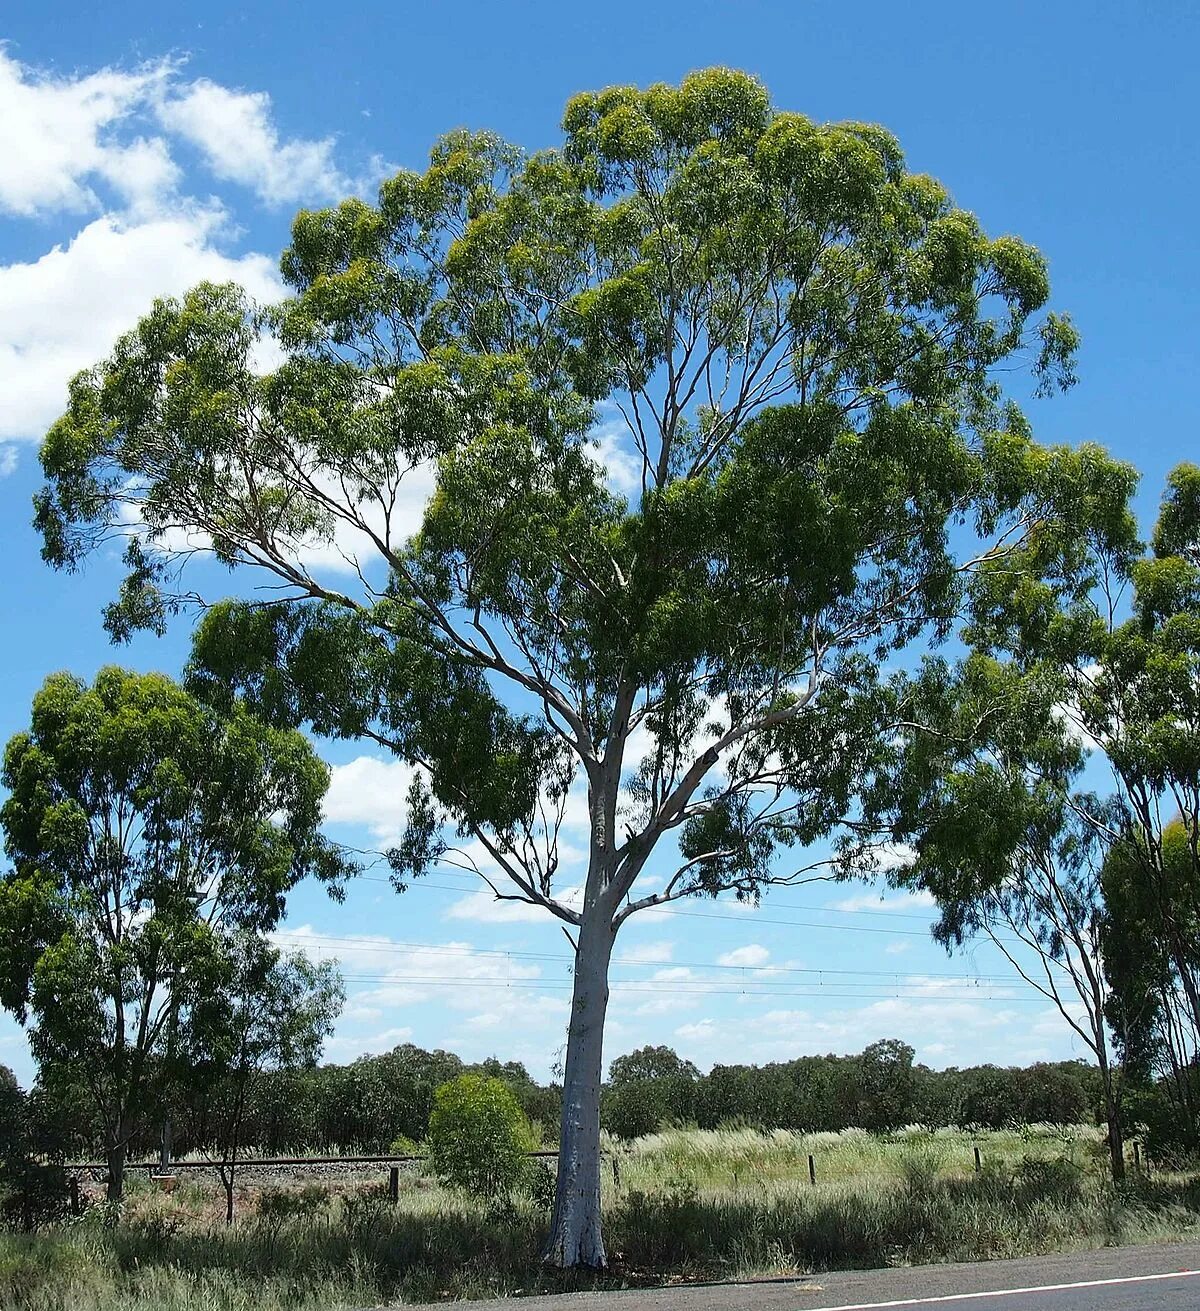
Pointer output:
x,y
381,1103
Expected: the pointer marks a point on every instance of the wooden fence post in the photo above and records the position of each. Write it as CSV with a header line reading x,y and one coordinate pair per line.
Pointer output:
x,y
978,1161
394,1183
812,1169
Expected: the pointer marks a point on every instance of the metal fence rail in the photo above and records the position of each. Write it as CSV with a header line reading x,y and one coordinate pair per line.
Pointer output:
x,y
246,1162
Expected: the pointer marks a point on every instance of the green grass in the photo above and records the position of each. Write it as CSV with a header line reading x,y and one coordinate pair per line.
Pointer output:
x,y
689,1204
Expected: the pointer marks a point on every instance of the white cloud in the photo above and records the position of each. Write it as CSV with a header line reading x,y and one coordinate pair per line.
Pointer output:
x,y
1068,713
357,1012
484,908
346,1047
622,464
515,1024
385,975
54,137
102,145
66,141
575,815
893,855
8,460
900,904
751,954
349,545
143,174
370,791
62,312
658,952
701,1032
234,132
943,1030
662,1005
450,995
743,906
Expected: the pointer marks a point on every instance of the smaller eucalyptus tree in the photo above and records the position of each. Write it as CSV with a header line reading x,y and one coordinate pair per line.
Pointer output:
x,y
992,808
1151,941
266,1013
144,829
1049,782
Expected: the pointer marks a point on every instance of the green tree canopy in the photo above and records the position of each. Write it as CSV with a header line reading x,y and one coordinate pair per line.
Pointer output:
x,y
648,1088
145,830
1082,652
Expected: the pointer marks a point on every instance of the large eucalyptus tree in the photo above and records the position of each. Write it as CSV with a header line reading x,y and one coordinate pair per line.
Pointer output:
x,y
789,346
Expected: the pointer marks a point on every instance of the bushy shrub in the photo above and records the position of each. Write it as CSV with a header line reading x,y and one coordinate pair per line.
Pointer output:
x,y
920,1167
479,1137
366,1212
540,1184
647,1089
1170,1134
403,1145
278,1205
32,1194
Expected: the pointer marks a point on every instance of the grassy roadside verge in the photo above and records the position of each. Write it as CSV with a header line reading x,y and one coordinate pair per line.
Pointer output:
x,y
689,1205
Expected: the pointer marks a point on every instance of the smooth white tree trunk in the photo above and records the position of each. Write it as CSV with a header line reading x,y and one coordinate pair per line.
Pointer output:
x,y
575,1232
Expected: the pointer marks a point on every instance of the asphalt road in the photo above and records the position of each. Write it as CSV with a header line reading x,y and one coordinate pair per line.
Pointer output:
x,y
1165,1278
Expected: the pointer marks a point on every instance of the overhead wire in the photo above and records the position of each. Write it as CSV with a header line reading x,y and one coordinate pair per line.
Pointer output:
x,y
696,988
391,946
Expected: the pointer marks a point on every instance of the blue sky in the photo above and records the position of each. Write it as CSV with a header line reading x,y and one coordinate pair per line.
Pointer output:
x,y
146,146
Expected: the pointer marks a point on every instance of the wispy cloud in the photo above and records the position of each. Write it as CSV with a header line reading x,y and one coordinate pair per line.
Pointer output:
x,y
752,954
370,791
903,903
237,137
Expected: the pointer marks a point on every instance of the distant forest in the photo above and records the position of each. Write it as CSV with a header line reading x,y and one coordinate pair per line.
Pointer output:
x,y
382,1103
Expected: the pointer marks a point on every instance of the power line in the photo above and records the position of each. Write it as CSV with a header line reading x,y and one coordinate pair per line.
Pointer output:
x,y
756,918
389,946
698,989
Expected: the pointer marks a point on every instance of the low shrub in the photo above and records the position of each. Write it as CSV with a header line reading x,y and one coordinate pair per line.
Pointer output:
x,y
1056,1179
32,1194
275,1206
920,1166
402,1145
479,1138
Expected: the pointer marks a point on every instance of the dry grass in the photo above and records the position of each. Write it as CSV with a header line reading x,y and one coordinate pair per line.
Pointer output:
x,y
688,1204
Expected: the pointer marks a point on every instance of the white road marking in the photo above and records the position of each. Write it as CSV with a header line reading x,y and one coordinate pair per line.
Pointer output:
x,y
1012,1292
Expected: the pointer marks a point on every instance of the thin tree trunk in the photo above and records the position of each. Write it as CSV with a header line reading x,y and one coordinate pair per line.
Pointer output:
x,y
229,1165
1112,1111
227,1178
116,1171
575,1232
1116,1145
